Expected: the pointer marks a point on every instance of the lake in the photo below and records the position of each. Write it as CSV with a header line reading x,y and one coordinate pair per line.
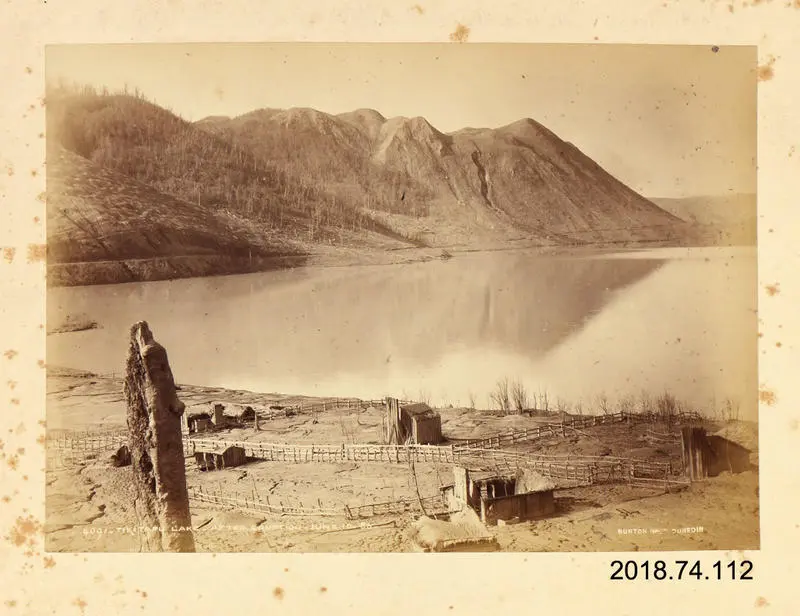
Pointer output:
x,y
576,326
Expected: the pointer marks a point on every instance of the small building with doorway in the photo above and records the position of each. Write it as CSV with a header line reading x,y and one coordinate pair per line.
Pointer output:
x,y
210,458
501,498
727,455
708,455
216,416
235,413
412,422
193,423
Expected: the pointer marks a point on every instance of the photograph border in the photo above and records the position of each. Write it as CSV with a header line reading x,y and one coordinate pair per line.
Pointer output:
x,y
37,582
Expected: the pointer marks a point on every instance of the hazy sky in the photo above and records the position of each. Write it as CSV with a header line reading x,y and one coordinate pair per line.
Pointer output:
x,y
666,120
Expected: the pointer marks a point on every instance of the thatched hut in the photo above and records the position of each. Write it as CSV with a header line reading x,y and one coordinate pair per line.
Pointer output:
x,y
209,459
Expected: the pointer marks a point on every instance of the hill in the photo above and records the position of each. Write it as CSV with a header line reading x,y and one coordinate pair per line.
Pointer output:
x,y
137,183
517,181
724,219
105,227
147,143
317,149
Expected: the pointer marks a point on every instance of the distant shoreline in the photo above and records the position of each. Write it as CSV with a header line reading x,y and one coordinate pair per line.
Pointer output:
x,y
93,273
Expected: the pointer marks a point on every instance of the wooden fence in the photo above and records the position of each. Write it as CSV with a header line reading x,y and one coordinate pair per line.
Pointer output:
x,y
432,505
340,404
664,438
93,440
572,470
566,471
314,408
674,418
285,452
254,502
305,407
544,430
556,429
478,454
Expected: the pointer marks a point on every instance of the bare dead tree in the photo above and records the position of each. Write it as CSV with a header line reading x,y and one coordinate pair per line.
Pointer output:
x,y
730,410
425,396
519,397
626,404
544,400
500,396
603,403
646,403
667,408
562,406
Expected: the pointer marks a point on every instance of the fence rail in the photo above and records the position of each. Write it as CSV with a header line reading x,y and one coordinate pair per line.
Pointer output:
x,y
662,437
314,408
555,429
234,501
284,452
575,470
479,454
86,441
580,470
351,512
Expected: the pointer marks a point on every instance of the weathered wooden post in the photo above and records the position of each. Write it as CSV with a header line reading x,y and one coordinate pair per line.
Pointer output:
x,y
395,434
154,429
694,452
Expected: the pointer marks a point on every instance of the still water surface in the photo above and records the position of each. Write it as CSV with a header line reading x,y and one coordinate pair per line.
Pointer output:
x,y
682,320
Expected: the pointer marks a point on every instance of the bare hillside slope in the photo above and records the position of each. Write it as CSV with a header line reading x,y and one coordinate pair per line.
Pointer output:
x,y
517,181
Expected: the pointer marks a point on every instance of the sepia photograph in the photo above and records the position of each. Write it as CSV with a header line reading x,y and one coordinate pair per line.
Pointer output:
x,y
401,297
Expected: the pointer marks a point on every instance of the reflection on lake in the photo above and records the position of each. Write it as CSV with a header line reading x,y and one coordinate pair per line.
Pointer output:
x,y
681,320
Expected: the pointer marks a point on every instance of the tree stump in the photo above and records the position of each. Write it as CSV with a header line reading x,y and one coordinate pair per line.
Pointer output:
x,y
156,444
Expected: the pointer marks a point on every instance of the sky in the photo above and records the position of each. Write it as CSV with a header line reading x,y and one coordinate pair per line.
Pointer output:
x,y
669,121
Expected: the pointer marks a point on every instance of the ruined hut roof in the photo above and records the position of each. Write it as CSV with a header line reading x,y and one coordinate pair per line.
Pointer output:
x,y
216,448
418,409
201,415
533,481
742,433
237,408
482,476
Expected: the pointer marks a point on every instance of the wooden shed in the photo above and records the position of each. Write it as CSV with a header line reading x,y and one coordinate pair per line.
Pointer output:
x,y
495,498
727,455
707,455
412,423
222,457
